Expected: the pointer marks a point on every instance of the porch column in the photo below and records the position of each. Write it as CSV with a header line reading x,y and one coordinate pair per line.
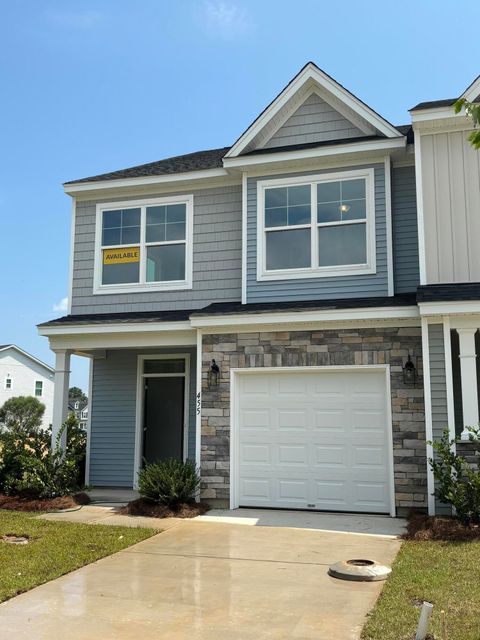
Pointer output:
x,y
468,372
60,395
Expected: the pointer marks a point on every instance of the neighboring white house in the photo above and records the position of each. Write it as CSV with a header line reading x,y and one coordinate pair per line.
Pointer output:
x,y
21,374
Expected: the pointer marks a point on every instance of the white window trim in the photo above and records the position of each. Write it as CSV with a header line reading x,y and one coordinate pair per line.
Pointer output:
x,y
8,388
316,272
136,287
35,389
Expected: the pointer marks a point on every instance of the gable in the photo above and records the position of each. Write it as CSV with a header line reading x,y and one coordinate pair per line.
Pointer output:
x,y
314,121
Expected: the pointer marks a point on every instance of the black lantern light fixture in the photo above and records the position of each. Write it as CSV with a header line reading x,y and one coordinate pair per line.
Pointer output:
x,y
409,372
213,375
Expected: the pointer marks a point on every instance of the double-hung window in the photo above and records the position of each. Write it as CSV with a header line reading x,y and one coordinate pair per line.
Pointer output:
x,y
316,226
144,245
38,388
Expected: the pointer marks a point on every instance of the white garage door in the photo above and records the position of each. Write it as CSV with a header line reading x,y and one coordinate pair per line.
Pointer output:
x,y
313,440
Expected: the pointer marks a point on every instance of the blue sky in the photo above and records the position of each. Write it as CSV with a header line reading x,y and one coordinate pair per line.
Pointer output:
x,y
88,87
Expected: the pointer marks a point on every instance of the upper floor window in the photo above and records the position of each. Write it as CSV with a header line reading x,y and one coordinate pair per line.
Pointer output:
x,y
8,383
38,388
144,246
316,226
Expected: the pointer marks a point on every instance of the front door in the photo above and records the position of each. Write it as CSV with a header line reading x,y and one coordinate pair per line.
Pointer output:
x,y
164,418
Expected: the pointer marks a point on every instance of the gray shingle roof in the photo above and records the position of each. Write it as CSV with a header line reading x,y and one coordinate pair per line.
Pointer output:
x,y
432,104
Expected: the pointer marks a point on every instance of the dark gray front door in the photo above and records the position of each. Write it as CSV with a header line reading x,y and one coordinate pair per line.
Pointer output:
x,y
164,418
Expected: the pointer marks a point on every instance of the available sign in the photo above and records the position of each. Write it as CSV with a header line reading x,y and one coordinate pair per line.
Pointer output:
x,y
121,256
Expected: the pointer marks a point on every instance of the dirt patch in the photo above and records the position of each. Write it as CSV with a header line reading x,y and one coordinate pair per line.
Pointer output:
x,y
18,503
143,507
421,527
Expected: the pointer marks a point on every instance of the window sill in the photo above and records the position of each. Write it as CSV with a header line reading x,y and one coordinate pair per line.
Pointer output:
x,y
330,272
141,288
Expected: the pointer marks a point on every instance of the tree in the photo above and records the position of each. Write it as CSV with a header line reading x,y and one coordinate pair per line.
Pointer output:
x,y
472,110
75,393
22,414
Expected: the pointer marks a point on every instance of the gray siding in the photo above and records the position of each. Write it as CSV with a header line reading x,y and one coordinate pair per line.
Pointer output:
x,y
405,230
113,410
355,286
217,236
438,386
314,121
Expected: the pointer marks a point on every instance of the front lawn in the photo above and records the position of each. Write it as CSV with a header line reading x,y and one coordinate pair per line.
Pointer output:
x,y
444,573
54,548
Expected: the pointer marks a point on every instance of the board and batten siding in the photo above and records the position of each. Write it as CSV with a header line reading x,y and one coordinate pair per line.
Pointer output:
x,y
406,270
314,121
354,286
113,412
451,206
217,262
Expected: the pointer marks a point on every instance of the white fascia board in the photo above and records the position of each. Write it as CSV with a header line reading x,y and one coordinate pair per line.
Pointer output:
x,y
436,113
100,343
318,152
312,73
451,307
137,327
296,317
29,356
81,187
472,91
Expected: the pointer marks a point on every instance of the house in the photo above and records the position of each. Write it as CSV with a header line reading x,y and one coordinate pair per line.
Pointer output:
x,y
21,374
79,408
297,312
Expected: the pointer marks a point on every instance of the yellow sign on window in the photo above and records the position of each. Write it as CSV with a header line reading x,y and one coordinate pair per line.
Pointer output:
x,y
121,256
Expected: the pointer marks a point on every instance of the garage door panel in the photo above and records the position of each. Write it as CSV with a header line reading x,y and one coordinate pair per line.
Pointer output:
x,y
317,439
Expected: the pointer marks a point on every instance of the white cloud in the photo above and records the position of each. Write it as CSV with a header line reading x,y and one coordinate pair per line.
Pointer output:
x,y
75,19
226,19
62,305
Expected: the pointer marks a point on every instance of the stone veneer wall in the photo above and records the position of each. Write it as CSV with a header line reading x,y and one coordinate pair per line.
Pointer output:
x,y
318,348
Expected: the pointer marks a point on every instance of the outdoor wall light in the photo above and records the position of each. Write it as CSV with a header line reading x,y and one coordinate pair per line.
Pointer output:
x,y
409,372
213,375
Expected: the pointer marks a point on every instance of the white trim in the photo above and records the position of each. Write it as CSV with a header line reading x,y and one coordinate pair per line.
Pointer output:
x,y
317,152
198,408
89,421
447,347
234,404
472,91
140,398
127,327
77,187
311,73
389,223
72,255
296,317
244,235
315,271
428,415
434,113
420,212
142,285
28,355
451,307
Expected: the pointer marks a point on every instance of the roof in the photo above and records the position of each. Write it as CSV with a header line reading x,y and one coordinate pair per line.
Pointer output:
x,y
433,104
3,347
174,315
448,292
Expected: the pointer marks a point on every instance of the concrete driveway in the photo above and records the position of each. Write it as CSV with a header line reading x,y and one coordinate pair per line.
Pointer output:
x,y
206,580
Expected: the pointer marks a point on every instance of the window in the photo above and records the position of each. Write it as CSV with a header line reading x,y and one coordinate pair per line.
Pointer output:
x,y
318,226
145,245
38,388
8,383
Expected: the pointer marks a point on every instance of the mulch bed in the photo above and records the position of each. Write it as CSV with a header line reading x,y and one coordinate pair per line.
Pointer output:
x,y
421,528
19,503
143,507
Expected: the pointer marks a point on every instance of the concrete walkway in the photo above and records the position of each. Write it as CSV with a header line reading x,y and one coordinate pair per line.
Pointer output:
x,y
205,581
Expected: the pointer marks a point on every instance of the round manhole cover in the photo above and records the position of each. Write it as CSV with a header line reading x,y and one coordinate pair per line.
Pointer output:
x,y
359,569
13,539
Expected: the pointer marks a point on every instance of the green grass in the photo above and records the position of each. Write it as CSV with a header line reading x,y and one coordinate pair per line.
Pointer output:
x,y
55,548
446,574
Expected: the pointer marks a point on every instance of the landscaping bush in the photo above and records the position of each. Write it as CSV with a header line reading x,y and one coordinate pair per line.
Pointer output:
x,y
458,480
22,415
169,482
30,467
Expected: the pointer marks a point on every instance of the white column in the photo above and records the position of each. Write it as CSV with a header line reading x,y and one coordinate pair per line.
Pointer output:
x,y
60,394
468,370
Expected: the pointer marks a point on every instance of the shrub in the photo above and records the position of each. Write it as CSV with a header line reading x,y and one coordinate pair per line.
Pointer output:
x,y
31,468
169,482
458,481
22,414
